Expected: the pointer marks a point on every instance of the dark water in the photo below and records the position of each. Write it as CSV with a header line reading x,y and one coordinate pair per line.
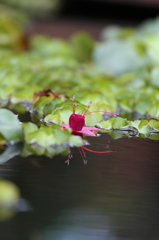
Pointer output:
x,y
114,197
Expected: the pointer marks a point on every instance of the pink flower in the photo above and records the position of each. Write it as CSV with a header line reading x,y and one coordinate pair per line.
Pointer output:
x,y
77,122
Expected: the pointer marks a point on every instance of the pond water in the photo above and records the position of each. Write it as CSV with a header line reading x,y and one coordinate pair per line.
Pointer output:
x,y
114,197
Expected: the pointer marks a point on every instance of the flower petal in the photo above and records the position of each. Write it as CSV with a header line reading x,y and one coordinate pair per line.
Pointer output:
x,y
85,130
65,126
88,133
90,129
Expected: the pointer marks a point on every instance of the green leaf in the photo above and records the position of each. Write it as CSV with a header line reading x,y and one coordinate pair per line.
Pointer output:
x,y
10,152
120,123
10,126
141,125
61,136
143,106
117,57
155,77
105,124
91,119
116,134
154,123
82,45
154,110
53,118
75,141
155,137
28,129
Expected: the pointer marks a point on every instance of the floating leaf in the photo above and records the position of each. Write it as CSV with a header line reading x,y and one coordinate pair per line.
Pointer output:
x,y
75,141
10,152
155,137
105,124
120,123
116,134
91,120
154,123
141,125
10,126
51,118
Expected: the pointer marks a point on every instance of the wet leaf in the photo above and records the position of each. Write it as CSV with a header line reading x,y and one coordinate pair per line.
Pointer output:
x,y
154,123
141,125
120,123
10,126
105,124
116,134
91,120
75,141
10,152
155,137
51,118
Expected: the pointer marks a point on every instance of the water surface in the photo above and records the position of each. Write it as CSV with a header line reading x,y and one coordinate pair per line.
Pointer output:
x,y
114,197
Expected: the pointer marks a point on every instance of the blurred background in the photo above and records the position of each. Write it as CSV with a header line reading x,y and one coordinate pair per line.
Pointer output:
x,y
131,9
70,16
115,196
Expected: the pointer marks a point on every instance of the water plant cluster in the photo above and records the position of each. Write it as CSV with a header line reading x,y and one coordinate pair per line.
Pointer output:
x,y
38,79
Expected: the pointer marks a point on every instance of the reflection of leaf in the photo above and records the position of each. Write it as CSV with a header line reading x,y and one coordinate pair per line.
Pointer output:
x,y
10,126
154,136
116,134
10,152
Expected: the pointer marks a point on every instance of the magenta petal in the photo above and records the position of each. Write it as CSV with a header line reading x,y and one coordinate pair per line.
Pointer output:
x,y
67,126
88,133
90,129
85,130
76,122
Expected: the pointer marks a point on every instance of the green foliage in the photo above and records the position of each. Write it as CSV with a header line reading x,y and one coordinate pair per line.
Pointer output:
x,y
10,152
154,124
82,45
42,81
11,28
10,127
141,125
